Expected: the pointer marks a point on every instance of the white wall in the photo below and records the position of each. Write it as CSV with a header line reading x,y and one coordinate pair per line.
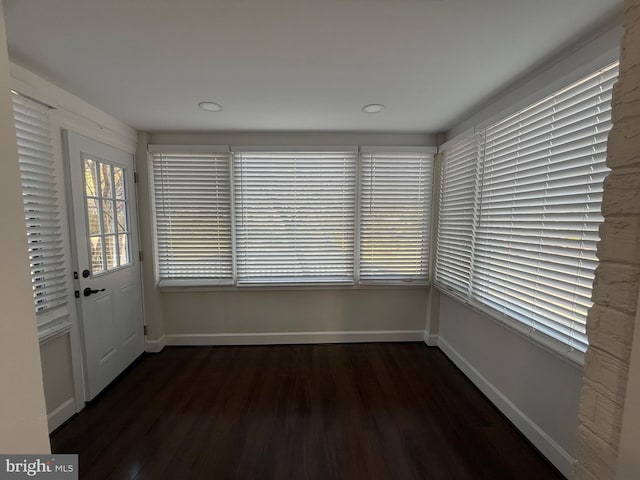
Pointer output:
x,y
23,421
292,139
536,389
253,316
570,66
153,314
58,378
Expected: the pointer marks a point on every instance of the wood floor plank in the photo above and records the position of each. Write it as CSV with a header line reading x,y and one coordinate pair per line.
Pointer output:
x,y
362,411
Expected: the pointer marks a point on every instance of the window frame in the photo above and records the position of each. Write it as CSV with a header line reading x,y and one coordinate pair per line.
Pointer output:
x,y
559,348
238,156
204,284
186,150
429,154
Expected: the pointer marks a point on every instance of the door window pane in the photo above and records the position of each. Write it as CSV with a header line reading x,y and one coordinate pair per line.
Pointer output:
x,y
105,180
90,178
107,216
121,213
124,248
93,216
97,264
118,183
111,250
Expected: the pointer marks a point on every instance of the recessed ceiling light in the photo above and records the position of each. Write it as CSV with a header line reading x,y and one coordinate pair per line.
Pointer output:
x,y
210,106
373,108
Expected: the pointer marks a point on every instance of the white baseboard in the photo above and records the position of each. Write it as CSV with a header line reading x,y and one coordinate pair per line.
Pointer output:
x,y
543,442
288,338
155,346
61,414
431,339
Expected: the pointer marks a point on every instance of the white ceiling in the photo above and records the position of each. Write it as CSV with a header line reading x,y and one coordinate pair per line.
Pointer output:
x,y
292,65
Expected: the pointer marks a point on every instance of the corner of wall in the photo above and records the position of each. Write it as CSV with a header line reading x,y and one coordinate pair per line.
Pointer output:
x,y
432,326
153,317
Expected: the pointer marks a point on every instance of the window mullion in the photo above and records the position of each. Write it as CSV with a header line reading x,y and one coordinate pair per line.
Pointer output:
x,y
477,206
436,192
358,221
232,194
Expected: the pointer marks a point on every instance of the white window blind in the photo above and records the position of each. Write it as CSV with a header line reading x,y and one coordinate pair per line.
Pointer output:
x,y
535,212
192,193
295,216
395,200
458,187
542,184
40,197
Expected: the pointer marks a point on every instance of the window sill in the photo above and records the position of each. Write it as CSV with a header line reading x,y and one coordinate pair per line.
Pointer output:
x,y
288,287
569,355
49,332
53,323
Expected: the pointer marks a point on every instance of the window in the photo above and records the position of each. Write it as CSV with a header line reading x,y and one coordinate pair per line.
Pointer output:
x,y
395,200
295,216
536,212
192,193
42,213
291,216
106,198
458,185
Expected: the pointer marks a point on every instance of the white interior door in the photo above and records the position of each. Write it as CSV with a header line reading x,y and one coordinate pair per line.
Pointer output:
x,y
106,246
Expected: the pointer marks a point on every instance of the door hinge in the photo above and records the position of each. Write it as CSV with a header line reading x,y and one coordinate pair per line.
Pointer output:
x,y
77,293
135,177
144,329
140,254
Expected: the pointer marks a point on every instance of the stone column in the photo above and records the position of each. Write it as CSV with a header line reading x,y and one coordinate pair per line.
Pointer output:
x,y
611,321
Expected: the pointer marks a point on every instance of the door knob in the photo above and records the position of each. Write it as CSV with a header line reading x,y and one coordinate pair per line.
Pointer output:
x,y
88,291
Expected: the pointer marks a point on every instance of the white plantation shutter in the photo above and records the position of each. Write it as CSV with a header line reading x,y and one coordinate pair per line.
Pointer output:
x,y
192,193
542,178
395,201
294,216
40,197
458,186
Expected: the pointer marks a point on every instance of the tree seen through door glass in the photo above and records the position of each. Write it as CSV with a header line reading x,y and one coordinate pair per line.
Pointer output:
x,y
105,180
118,182
121,213
97,265
93,217
123,240
112,251
107,216
90,178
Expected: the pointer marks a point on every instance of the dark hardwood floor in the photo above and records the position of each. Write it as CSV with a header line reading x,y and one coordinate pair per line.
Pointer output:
x,y
363,411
